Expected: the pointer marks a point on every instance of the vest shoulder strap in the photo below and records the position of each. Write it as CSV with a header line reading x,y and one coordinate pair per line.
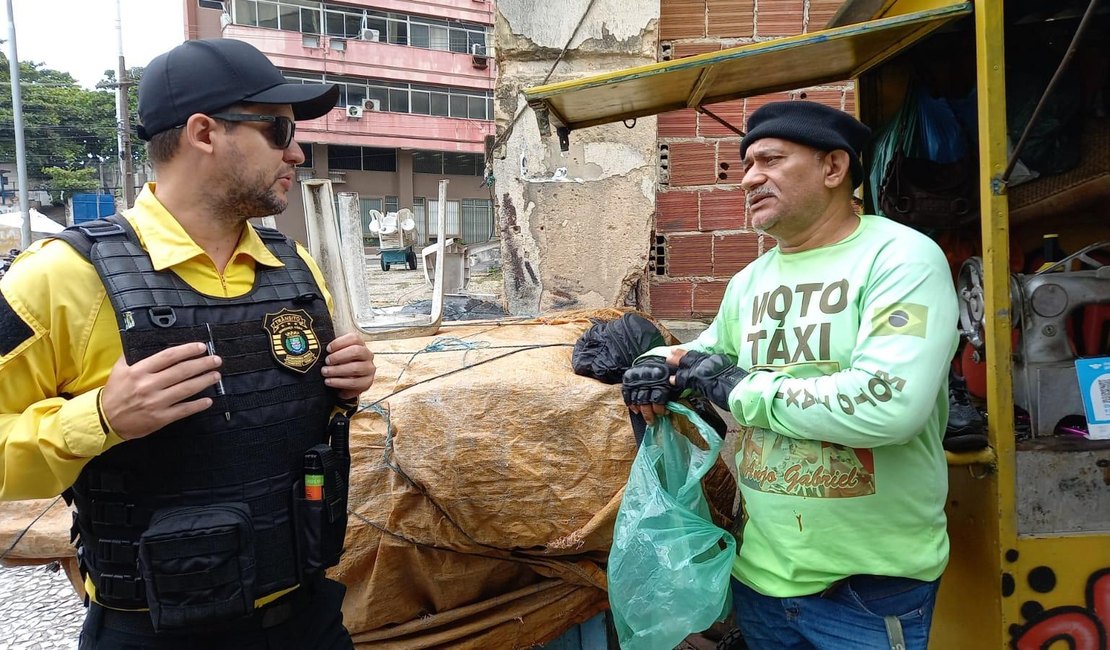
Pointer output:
x,y
269,234
84,236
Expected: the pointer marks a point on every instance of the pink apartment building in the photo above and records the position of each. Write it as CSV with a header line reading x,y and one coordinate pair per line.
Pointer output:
x,y
416,101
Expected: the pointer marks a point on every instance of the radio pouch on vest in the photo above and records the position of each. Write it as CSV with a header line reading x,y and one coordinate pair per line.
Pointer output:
x,y
198,565
322,524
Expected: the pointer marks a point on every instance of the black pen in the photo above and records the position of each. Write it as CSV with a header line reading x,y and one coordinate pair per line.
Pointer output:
x,y
220,381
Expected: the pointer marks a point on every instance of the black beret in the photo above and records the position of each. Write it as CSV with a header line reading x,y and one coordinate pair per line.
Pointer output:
x,y
812,124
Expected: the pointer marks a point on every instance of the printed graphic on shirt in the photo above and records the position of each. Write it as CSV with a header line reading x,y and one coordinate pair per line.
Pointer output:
x,y
778,344
879,389
904,318
292,339
804,347
14,331
777,464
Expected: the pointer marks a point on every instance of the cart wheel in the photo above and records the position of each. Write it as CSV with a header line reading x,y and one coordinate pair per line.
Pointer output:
x,y
411,259
385,264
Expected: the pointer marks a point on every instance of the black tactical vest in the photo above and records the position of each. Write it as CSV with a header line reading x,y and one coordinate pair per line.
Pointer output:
x,y
208,503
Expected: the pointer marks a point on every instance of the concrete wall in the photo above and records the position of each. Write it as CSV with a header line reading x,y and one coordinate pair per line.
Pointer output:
x,y
575,227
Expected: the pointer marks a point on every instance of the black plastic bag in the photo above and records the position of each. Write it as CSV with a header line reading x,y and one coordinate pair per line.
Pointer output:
x,y
607,349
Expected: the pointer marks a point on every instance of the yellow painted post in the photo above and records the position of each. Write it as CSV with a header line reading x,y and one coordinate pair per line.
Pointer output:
x,y
993,139
981,498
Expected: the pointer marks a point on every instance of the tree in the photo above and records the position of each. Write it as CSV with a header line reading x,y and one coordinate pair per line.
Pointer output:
x,y
67,128
67,181
64,125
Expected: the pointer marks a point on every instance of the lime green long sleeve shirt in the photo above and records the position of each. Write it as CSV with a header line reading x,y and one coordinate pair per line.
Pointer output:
x,y
840,462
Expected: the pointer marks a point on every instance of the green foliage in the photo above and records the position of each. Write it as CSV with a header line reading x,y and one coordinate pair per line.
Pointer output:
x,y
65,126
63,181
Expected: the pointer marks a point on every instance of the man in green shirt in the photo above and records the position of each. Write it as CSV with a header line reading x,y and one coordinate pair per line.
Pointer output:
x,y
832,352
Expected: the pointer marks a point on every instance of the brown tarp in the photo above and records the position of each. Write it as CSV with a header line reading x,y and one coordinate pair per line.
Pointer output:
x,y
485,481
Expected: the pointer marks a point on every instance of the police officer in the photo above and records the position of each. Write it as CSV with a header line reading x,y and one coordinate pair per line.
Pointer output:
x,y
169,370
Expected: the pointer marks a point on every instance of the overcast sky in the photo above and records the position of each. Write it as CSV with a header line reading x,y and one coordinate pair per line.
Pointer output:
x,y
79,36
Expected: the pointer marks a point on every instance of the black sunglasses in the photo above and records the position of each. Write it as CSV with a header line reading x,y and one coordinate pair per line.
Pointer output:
x,y
281,128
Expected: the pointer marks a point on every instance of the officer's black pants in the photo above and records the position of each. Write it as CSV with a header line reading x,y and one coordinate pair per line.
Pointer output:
x,y
309,618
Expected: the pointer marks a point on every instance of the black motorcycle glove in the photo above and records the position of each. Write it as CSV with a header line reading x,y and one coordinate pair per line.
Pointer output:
x,y
648,382
712,375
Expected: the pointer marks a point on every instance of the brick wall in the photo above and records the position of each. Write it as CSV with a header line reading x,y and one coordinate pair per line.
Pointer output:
x,y
703,235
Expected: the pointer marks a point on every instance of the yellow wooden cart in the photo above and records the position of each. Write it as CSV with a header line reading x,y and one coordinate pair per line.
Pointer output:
x,y
1029,519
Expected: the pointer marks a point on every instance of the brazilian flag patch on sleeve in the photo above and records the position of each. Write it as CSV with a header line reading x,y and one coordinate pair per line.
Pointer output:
x,y
14,331
903,318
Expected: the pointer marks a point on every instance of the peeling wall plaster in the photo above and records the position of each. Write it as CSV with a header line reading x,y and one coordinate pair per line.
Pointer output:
x,y
576,225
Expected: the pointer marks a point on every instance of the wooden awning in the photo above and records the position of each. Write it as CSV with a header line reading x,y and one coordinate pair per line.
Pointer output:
x,y
758,68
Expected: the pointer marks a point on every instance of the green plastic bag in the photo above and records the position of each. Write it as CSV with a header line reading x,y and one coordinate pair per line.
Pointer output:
x,y
669,565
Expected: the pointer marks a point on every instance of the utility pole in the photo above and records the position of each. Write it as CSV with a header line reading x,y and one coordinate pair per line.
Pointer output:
x,y
20,146
123,107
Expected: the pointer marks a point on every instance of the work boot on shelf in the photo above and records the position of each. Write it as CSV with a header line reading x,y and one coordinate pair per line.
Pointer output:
x,y
966,429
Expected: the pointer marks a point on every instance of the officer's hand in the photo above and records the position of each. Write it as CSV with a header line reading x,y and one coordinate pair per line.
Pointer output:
x,y
646,387
138,400
712,375
349,366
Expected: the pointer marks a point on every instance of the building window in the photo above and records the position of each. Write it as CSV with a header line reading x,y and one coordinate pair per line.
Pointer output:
x,y
313,17
477,220
470,220
395,97
461,164
453,226
245,12
267,15
307,150
289,15
371,159
379,160
343,157
448,163
427,162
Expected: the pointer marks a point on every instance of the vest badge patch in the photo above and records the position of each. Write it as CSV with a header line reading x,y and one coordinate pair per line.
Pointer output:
x,y
292,340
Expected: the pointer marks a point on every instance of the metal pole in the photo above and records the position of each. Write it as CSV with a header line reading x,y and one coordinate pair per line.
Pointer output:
x,y
20,147
127,173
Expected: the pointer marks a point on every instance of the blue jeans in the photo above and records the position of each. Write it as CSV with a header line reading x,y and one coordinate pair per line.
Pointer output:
x,y
853,615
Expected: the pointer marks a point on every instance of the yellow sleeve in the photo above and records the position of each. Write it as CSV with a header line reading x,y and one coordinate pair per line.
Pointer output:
x,y
58,342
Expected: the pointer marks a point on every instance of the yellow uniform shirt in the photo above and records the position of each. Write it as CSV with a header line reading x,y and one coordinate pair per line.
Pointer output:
x,y
59,340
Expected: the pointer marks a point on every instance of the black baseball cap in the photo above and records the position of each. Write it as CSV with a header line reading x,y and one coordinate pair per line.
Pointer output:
x,y
815,125
204,76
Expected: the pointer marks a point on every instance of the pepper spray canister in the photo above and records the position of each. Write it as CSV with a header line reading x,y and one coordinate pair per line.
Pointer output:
x,y
313,477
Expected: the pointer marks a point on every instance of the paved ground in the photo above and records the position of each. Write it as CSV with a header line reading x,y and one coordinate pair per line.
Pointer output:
x,y
38,610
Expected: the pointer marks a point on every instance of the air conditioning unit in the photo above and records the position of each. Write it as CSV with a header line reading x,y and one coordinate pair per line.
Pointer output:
x,y
370,35
354,110
372,105
310,40
478,56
